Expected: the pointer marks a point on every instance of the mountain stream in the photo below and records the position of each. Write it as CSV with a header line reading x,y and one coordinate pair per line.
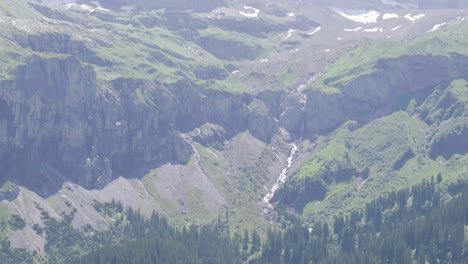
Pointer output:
x,y
281,179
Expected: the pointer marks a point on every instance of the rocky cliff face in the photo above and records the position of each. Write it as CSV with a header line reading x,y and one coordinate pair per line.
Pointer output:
x,y
58,119
371,95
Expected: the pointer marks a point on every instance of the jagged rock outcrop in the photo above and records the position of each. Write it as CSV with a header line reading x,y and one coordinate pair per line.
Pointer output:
x,y
208,135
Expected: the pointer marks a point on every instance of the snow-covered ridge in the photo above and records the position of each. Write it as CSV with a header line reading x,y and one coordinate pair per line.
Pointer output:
x,y
254,14
389,15
360,16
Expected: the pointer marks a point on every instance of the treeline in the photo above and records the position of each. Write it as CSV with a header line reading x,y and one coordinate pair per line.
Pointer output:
x,y
156,241
409,226
10,255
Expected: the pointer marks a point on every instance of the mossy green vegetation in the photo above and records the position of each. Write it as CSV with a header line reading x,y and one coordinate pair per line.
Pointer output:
x,y
357,163
18,9
363,59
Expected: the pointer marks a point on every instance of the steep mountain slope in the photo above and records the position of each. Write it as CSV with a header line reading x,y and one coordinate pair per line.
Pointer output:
x,y
196,113
425,137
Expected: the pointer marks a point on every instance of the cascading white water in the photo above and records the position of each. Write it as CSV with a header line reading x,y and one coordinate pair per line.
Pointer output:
x,y
188,139
281,179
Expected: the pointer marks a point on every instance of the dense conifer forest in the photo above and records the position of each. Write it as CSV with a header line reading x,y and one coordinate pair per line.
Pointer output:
x,y
414,225
409,226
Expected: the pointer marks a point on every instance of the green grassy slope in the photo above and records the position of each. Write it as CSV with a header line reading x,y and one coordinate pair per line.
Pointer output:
x,y
363,59
356,165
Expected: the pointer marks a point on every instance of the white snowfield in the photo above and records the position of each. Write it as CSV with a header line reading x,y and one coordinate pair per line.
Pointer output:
x,y
436,27
315,31
254,14
359,16
390,15
85,7
414,18
373,30
352,29
289,33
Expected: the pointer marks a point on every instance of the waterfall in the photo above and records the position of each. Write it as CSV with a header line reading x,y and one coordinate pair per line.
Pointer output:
x,y
281,179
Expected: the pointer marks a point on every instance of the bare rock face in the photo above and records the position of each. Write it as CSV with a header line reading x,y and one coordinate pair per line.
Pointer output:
x,y
369,96
60,123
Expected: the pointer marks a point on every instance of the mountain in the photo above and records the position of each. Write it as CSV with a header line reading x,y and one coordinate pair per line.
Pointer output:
x,y
256,110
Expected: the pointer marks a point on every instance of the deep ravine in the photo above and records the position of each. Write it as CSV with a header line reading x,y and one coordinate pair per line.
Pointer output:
x,y
281,179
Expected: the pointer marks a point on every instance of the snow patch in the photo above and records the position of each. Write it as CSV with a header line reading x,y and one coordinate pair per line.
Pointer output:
x,y
420,16
388,16
264,60
234,72
409,17
291,14
352,29
340,38
250,14
86,7
289,33
359,15
327,50
373,30
118,123
414,18
315,31
436,27
395,28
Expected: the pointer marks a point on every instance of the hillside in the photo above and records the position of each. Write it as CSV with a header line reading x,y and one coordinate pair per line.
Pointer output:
x,y
262,112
